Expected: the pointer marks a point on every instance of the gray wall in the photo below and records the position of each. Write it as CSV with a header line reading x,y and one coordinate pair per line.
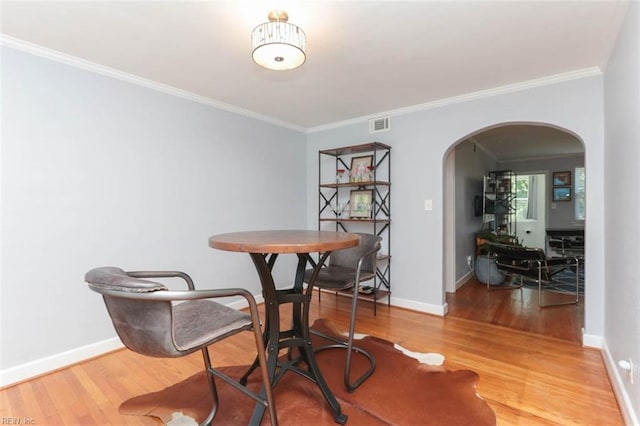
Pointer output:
x,y
471,164
96,171
562,216
622,203
422,139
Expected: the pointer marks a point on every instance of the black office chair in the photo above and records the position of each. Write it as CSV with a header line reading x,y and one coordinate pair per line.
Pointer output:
x,y
533,263
148,321
347,269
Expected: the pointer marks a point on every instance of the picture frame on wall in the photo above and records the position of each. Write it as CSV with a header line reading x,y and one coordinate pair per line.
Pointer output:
x,y
562,178
361,203
561,193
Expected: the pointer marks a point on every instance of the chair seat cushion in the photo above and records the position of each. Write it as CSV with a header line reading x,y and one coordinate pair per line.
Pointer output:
x,y
337,277
199,323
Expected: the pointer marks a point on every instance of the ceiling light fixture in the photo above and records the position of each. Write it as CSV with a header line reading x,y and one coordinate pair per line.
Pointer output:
x,y
277,44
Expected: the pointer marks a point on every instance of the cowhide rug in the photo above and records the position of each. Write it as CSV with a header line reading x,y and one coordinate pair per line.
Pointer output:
x,y
402,391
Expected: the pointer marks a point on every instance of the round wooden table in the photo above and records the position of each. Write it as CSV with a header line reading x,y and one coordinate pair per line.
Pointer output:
x,y
264,248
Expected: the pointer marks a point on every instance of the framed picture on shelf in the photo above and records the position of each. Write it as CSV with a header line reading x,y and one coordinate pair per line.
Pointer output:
x,y
562,178
360,166
561,193
360,204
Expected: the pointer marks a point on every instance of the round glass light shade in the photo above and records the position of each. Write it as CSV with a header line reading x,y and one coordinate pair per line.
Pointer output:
x,y
278,45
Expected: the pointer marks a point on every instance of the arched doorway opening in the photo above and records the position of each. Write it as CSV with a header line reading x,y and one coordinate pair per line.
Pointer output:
x,y
529,149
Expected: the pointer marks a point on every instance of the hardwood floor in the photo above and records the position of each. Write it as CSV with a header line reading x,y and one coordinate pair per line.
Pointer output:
x,y
518,309
527,378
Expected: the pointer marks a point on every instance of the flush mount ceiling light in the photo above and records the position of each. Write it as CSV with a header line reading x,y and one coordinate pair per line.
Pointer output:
x,y
277,44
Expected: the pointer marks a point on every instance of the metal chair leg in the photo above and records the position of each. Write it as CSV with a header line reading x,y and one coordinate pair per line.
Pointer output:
x,y
574,302
212,388
349,346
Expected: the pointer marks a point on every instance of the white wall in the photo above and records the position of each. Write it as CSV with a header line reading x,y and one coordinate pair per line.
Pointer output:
x,y
622,203
420,142
96,171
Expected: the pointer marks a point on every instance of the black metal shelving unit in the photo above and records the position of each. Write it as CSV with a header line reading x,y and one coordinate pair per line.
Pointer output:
x,y
500,202
336,211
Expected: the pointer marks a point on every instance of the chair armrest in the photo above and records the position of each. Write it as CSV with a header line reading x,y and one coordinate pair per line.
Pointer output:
x,y
180,295
163,274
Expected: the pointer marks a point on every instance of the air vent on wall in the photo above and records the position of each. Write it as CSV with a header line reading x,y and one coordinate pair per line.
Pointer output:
x,y
381,124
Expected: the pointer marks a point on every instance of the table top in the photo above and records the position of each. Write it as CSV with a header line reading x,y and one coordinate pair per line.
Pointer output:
x,y
284,241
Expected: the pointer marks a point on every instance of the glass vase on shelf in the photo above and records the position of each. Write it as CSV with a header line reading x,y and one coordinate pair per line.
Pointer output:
x,y
340,175
369,174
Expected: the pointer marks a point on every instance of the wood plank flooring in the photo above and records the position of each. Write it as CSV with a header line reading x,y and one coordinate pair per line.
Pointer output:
x,y
526,377
518,309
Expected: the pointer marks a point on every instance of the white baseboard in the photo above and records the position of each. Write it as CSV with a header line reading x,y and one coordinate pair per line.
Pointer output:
x,y
37,367
48,364
427,308
617,382
591,340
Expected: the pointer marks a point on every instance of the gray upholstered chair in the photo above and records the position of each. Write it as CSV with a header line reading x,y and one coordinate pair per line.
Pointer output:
x,y
347,269
149,321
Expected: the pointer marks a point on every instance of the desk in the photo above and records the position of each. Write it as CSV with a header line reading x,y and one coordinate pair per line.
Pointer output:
x,y
264,248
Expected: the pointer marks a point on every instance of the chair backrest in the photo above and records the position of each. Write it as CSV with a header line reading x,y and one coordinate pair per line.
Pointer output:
x,y
144,326
520,260
349,257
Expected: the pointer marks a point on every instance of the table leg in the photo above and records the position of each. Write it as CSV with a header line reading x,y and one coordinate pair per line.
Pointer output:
x,y
272,327
265,335
299,335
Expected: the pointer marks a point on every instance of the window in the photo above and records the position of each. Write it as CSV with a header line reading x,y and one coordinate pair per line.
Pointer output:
x,y
579,193
523,204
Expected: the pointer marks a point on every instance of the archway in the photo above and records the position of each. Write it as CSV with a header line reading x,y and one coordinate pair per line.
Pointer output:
x,y
515,146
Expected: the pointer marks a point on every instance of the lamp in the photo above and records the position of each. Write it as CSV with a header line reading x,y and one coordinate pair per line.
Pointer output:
x,y
277,44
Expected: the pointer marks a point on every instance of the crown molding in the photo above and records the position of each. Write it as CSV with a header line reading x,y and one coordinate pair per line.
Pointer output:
x,y
64,58
510,88
54,55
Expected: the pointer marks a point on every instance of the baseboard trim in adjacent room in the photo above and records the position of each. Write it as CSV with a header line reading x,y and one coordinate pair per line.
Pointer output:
x,y
51,363
463,280
624,401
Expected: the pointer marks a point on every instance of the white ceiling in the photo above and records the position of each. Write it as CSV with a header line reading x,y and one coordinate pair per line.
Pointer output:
x,y
363,57
524,141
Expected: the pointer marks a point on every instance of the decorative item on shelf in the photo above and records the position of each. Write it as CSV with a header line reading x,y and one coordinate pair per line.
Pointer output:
x,y
358,171
504,185
340,175
360,203
369,173
339,208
